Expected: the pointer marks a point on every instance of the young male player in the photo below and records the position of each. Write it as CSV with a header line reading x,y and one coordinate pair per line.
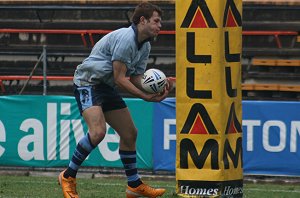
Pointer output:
x,y
118,60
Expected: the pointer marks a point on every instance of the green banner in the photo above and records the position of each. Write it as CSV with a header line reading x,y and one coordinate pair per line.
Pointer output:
x,y
42,131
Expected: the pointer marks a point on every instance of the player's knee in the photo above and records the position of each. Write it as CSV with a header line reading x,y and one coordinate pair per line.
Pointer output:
x,y
134,133
97,135
131,136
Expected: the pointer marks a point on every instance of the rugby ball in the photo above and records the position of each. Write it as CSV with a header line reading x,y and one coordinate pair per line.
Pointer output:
x,y
154,81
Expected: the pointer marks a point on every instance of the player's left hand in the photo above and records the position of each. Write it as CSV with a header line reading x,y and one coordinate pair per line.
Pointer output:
x,y
160,96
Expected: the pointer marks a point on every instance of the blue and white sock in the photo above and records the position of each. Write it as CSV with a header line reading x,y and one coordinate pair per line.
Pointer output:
x,y
83,149
128,159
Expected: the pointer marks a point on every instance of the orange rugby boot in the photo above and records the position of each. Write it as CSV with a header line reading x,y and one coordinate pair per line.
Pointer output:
x,y
144,190
68,186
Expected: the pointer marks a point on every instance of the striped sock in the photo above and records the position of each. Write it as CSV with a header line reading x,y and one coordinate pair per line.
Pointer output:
x,y
128,159
83,149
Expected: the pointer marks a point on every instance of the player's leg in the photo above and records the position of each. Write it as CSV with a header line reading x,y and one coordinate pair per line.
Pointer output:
x,y
95,121
121,121
94,118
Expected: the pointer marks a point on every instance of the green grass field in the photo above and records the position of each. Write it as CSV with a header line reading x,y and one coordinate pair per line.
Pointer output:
x,y
44,187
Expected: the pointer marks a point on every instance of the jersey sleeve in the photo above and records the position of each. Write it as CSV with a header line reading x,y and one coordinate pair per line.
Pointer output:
x,y
142,64
122,51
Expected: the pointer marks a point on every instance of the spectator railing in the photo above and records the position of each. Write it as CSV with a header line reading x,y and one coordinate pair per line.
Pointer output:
x,y
276,35
90,33
245,86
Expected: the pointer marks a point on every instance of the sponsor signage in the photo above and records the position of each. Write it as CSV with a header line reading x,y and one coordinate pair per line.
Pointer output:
x,y
208,97
44,130
272,136
164,135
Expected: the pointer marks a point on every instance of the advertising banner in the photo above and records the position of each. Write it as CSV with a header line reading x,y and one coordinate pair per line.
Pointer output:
x,y
164,135
272,138
271,135
208,98
44,130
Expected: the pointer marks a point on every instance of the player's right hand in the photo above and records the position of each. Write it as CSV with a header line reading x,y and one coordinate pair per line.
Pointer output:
x,y
157,97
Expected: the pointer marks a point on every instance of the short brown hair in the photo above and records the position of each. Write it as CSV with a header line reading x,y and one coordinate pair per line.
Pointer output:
x,y
145,9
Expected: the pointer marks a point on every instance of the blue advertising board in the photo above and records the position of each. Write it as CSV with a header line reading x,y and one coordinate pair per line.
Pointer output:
x,y
271,133
164,135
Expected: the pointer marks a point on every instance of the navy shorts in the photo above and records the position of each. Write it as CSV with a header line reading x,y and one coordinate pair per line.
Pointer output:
x,y
98,95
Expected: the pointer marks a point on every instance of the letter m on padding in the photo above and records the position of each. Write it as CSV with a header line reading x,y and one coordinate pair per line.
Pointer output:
x,y
198,16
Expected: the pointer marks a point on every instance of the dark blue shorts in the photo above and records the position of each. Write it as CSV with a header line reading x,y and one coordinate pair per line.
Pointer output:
x,y
98,95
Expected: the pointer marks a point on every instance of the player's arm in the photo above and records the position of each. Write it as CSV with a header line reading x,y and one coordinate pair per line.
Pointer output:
x,y
136,80
119,70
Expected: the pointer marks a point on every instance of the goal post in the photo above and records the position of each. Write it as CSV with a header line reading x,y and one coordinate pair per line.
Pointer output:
x,y
208,98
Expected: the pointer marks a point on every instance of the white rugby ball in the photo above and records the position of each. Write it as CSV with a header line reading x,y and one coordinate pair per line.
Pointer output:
x,y
154,81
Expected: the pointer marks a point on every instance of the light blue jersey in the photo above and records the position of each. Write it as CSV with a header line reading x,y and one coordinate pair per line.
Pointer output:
x,y
119,45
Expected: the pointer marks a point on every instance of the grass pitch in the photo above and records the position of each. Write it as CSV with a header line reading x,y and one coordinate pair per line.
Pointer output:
x,y
47,187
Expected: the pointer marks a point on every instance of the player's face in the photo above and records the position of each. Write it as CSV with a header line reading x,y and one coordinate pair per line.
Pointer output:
x,y
154,25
